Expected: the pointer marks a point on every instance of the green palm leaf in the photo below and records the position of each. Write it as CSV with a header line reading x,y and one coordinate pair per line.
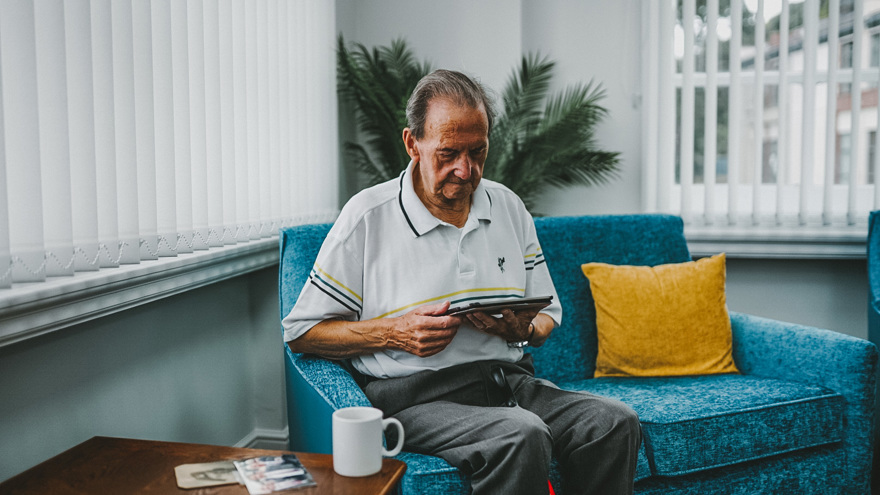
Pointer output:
x,y
532,148
522,100
378,83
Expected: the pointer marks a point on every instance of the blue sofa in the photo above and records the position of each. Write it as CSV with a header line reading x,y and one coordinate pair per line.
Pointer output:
x,y
873,262
799,419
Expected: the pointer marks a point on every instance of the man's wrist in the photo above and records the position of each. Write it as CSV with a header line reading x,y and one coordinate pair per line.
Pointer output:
x,y
524,343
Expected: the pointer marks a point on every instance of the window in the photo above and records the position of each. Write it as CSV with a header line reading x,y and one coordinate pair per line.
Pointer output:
x,y
846,62
134,132
844,159
874,61
740,128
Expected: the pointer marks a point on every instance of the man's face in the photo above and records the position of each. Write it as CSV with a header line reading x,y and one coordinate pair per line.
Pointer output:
x,y
450,156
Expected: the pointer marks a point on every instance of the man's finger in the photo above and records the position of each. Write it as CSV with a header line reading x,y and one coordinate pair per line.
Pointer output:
x,y
481,319
509,317
432,309
435,334
430,346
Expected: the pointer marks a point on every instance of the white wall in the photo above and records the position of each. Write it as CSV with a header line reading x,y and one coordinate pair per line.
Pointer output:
x,y
204,366
830,294
596,39
481,38
599,41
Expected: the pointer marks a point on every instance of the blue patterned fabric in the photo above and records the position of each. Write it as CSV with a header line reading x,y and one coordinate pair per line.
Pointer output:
x,y
797,353
697,423
429,474
816,471
798,420
873,255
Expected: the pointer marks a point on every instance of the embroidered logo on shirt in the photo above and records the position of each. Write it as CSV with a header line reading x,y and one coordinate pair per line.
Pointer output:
x,y
501,264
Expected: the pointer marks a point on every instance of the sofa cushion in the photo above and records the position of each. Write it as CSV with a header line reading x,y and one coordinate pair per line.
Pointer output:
x,y
696,423
429,474
666,320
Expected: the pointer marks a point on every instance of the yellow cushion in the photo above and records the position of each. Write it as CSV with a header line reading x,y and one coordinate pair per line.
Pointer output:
x,y
667,320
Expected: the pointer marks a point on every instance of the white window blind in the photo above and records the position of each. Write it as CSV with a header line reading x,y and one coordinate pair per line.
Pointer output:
x,y
760,113
135,130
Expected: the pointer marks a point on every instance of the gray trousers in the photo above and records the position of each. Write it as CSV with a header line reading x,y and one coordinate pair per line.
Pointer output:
x,y
461,414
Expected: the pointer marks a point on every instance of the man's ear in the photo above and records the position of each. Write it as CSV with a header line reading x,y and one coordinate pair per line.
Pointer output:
x,y
410,142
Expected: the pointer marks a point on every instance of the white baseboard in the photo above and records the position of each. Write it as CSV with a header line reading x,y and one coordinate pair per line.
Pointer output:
x,y
265,438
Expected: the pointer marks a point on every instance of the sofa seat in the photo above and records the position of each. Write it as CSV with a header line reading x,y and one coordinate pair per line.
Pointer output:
x,y
697,423
681,418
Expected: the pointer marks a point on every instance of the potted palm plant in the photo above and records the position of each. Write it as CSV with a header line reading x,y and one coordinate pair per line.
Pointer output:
x,y
538,140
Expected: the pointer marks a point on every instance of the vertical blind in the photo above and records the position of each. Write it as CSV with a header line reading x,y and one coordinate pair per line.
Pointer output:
x,y
137,129
761,112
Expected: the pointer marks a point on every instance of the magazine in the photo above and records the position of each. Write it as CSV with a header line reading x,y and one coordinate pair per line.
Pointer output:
x,y
273,473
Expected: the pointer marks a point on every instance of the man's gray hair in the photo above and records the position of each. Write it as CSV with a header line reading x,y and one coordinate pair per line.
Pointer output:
x,y
449,84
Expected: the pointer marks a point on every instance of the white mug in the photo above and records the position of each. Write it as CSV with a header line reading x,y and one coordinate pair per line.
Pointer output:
x,y
357,440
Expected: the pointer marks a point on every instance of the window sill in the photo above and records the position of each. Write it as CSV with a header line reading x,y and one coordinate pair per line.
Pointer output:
x,y
33,309
778,242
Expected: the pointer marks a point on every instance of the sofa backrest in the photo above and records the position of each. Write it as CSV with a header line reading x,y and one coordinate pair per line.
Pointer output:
x,y
569,242
299,249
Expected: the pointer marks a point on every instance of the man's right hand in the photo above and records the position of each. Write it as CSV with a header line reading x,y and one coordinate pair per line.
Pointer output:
x,y
424,331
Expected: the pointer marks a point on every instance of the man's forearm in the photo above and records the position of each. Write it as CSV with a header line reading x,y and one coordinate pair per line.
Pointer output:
x,y
424,331
340,339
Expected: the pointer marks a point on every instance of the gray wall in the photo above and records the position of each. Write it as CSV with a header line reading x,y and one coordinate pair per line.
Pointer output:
x,y
600,40
204,366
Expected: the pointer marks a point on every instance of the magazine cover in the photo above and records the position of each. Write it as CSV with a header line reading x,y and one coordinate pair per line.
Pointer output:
x,y
273,473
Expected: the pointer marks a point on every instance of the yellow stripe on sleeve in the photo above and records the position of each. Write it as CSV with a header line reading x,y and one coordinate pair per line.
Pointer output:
x,y
340,284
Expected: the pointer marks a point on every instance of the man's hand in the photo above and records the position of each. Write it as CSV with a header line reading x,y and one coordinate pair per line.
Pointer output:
x,y
513,326
424,331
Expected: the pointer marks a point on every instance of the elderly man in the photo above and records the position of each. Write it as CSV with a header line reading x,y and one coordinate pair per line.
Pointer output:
x,y
399,255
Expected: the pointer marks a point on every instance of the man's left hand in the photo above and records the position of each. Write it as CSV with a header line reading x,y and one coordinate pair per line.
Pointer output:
x,y
512,326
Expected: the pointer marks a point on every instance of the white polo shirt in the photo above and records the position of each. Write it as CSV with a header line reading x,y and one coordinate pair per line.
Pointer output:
x,y
387,254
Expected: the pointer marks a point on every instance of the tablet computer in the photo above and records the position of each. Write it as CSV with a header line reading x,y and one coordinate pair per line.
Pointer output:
x,y
526,303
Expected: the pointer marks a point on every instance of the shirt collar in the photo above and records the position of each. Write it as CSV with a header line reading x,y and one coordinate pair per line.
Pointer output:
x,y
420,220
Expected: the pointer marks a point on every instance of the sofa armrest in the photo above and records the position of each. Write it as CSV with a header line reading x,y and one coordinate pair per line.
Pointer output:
x,y
842,363
793,352
315,388
873,260
333,382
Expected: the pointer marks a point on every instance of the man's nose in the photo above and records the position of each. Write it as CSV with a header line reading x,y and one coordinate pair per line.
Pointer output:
x,y
464,167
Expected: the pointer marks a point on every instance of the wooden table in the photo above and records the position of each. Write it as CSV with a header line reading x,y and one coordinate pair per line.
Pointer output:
x,y
120,466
